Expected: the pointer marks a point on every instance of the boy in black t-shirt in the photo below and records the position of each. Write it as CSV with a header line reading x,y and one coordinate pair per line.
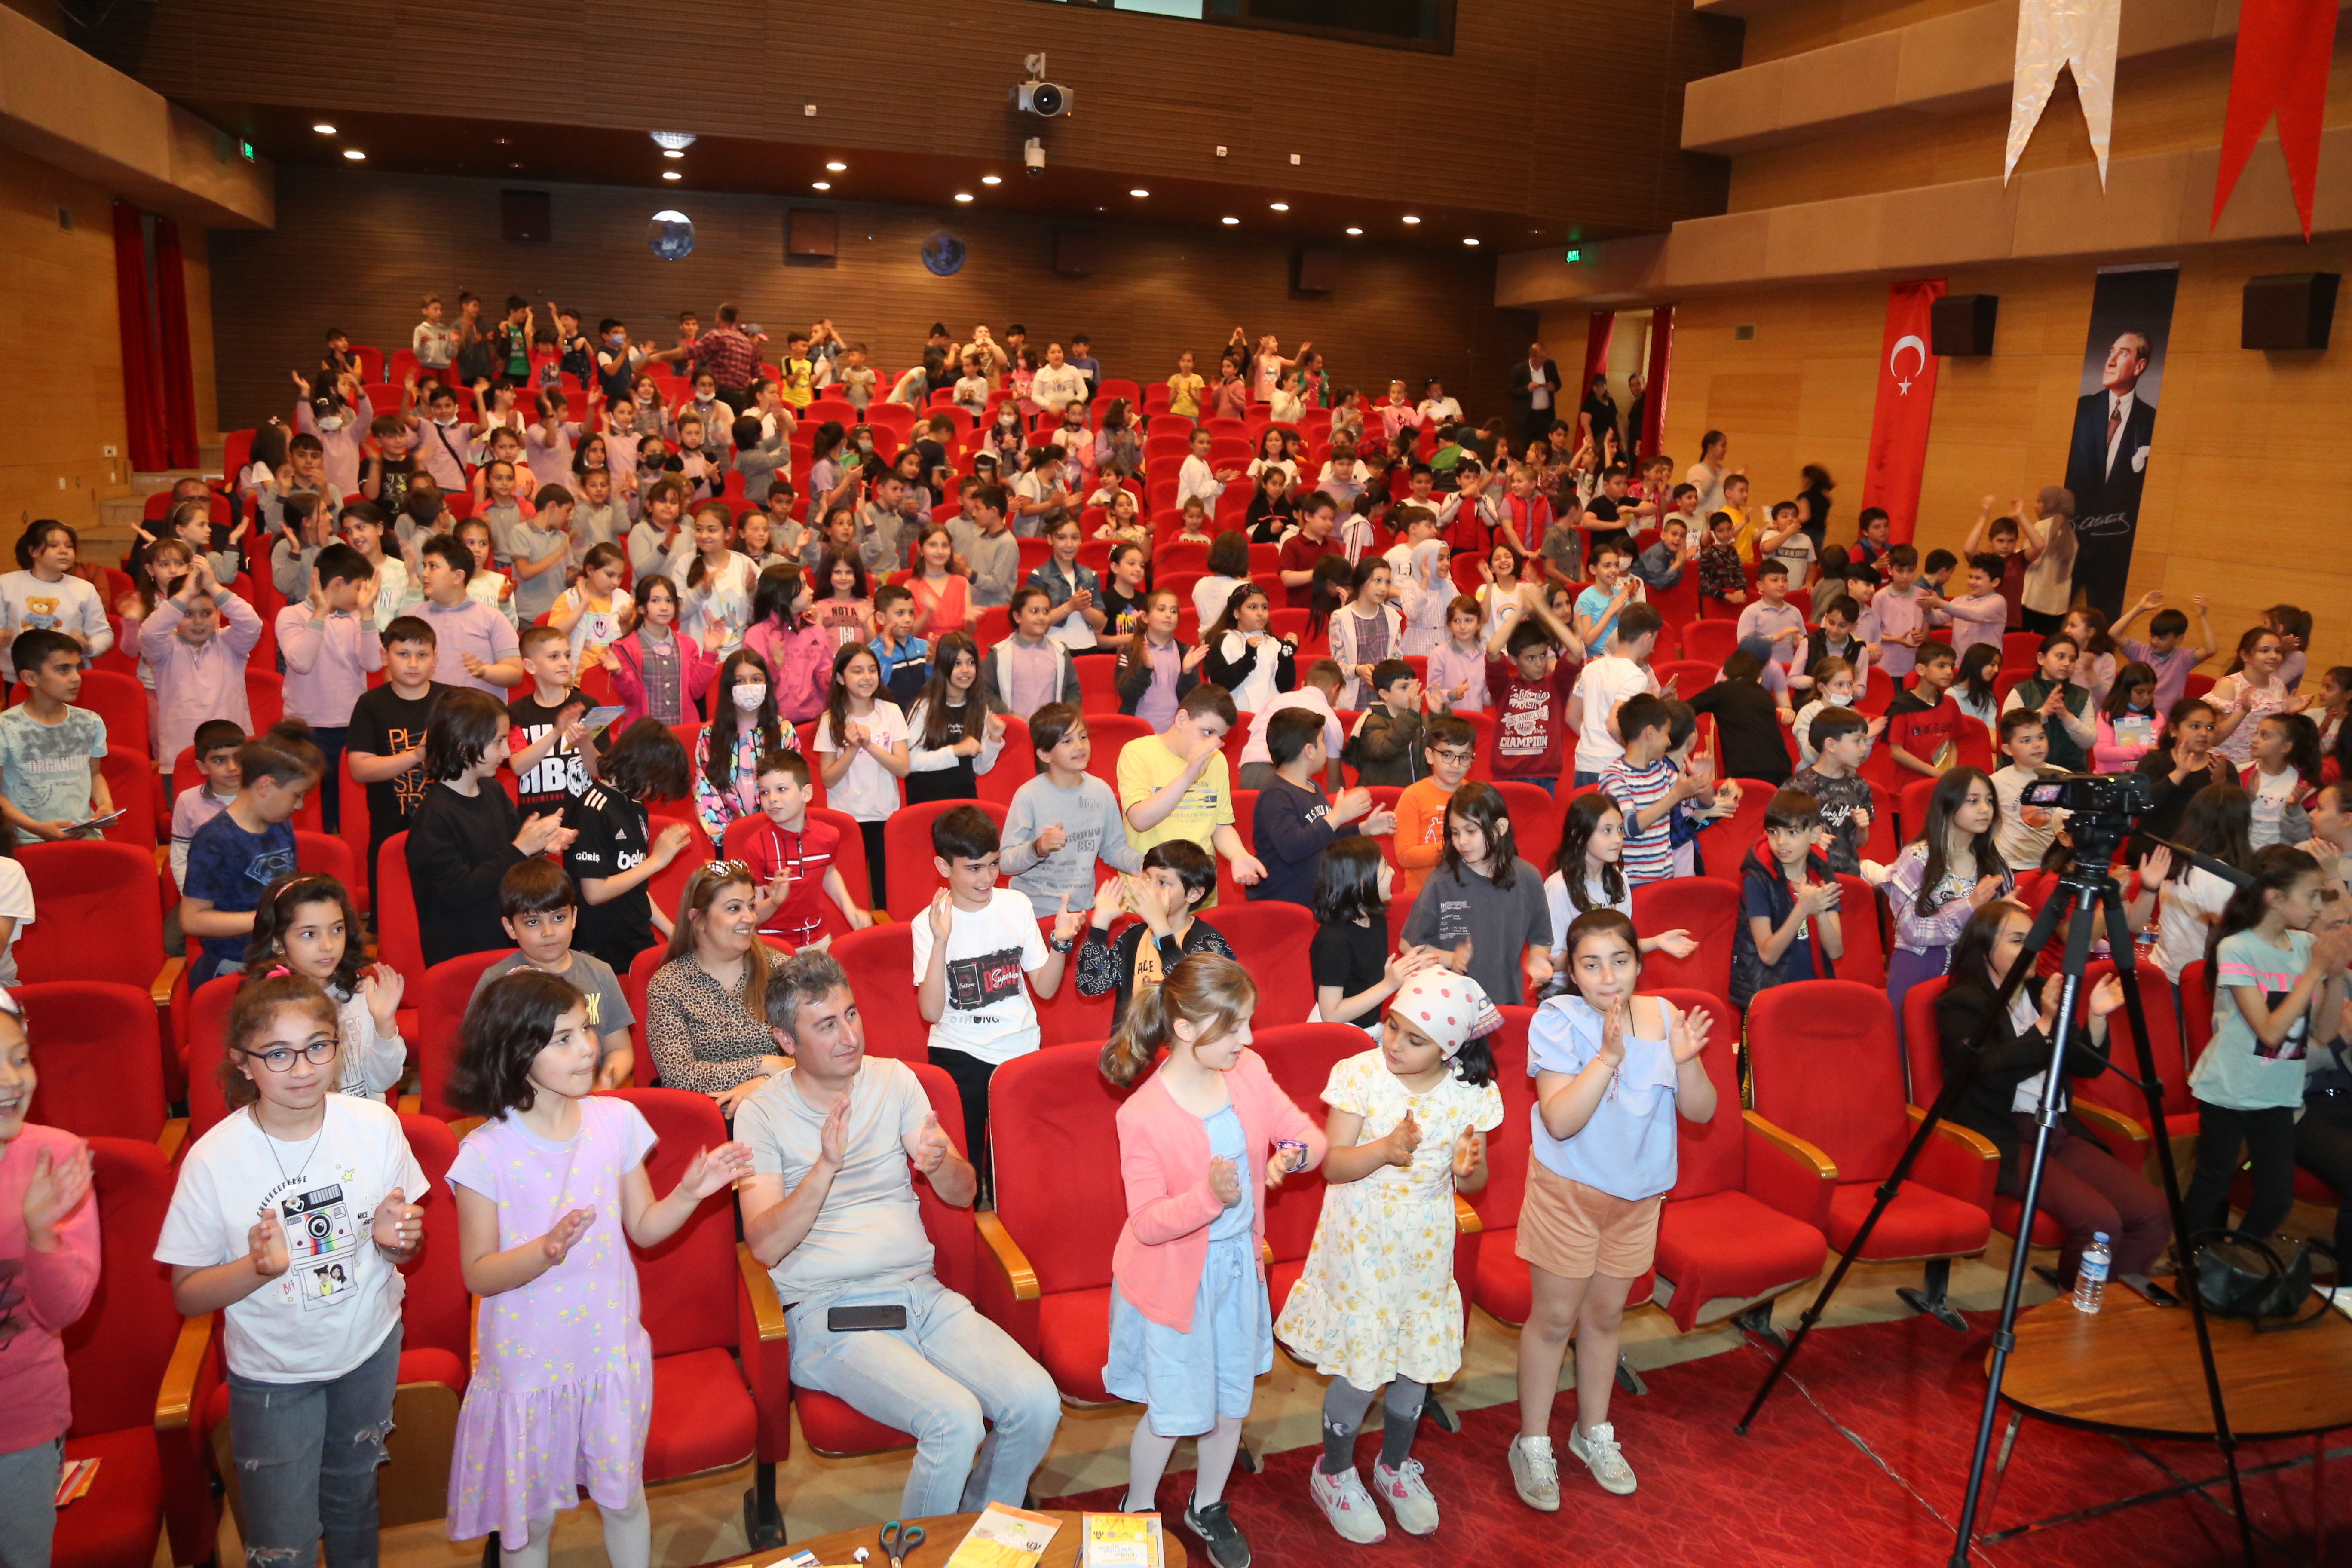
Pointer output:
x,y
551,771
385,475
1841,741
385,743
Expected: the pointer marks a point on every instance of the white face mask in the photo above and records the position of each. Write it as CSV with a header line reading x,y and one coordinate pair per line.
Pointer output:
x,y
749,696
446,420
332,423
1834,700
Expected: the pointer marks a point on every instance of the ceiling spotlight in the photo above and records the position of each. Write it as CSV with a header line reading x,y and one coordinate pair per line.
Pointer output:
x,y
1233,220
324,129
964,195
1353,230
1279,206
820,184
353,154
992,179
1410,218
674,175
1139,191
837,167
672,152
676,140
1469,239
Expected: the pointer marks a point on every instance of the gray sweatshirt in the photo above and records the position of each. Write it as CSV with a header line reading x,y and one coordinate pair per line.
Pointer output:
x,y
993,564
1090,815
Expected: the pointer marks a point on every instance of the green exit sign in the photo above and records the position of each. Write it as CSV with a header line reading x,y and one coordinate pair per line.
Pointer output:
x,y
247,149
1573,257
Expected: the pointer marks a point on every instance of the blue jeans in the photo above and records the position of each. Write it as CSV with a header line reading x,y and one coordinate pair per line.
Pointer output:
x,y
947,1378
306,1456
28,1513
1583,778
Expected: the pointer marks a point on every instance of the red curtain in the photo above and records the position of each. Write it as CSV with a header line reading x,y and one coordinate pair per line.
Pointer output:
x,y
172,332
1596,353
158,382
1654,388
142,370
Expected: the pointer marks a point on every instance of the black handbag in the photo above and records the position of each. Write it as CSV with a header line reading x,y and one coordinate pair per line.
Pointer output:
x,y
2241,1275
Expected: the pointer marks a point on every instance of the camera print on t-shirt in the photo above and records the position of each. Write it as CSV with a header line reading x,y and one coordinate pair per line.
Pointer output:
x,y
322,1244
973,984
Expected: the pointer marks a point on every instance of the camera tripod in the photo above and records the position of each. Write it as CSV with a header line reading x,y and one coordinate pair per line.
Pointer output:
x,y
2084,887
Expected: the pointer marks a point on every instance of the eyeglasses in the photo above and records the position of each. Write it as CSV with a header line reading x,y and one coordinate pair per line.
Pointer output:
x,y
280,1058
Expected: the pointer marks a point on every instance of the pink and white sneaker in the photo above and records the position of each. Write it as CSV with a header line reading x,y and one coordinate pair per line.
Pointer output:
x,y
1349,1507
1407,1496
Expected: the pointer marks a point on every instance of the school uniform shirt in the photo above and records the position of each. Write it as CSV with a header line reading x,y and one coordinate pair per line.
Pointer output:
x,y
1299,553
45,768
559,777
723,598
988,1013
1531,718
328,659
339,1295
1893,615
611,835
2171,670
1977,619
469,626
868,791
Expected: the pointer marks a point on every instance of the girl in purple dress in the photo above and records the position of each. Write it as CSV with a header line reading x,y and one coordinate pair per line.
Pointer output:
x,y
551,1190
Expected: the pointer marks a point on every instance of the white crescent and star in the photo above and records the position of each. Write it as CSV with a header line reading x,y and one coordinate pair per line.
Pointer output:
x,y
1909,340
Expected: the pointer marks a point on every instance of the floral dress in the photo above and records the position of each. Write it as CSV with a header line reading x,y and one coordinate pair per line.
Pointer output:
x,y
1377,1298
563,1391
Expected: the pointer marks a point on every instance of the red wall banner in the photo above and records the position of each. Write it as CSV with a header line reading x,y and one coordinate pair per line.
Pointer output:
x,y
1906,403
2284,47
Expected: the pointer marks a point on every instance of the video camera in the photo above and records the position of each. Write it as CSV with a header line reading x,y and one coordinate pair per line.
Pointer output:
x,y
2101,809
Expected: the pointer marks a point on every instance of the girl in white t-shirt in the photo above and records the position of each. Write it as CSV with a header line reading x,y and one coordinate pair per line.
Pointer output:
x,y
307,925
2217,822
2286,769
311,1288
485,584
593,611
1591,845
15,906
715,582
863,766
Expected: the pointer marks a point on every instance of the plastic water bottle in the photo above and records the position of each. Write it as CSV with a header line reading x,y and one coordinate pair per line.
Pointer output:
x,y
2091,1277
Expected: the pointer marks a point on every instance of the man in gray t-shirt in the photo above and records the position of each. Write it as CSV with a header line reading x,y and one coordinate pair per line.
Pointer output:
x,y
831,1211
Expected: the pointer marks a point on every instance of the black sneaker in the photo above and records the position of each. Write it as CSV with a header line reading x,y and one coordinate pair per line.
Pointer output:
x,y
1215,1527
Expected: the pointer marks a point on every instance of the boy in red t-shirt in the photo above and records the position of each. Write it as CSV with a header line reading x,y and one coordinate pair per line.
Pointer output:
x,y
1528,688
1317,516
1922,723
783,842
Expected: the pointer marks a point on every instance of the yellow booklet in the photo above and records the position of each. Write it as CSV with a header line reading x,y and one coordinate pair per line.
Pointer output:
x,y
1004,1536
1120,1541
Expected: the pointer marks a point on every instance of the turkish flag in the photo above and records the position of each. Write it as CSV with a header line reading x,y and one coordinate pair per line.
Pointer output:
x,y
2284,47
1907,401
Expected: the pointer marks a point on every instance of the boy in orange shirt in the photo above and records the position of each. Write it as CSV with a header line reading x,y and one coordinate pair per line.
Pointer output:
x,y
1450,743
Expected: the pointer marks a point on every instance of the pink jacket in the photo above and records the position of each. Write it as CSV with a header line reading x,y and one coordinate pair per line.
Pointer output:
x,y
695,668
1163,1158
50,1290
800,663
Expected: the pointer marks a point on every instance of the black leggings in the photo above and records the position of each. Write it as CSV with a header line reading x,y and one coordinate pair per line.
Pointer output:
x,y
876,878
2322,1145
2268,1138
971,1076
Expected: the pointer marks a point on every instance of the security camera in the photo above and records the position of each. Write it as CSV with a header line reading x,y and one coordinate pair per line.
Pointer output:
x,y
1037,96
1032,157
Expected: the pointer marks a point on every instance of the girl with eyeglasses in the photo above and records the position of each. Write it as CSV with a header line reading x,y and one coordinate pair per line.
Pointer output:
x,y
291,1217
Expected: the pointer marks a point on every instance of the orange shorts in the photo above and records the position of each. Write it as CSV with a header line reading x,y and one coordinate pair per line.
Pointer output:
x,y
1575,1231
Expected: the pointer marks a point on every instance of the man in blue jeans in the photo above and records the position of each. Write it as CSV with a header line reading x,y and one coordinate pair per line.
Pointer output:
x,y
830,1211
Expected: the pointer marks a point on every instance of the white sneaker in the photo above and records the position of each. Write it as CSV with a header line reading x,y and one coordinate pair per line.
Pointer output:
x,y
1599,1450
1349,1507
1408,1497
1534,1474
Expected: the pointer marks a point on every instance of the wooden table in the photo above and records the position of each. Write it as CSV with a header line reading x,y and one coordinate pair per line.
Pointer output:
x,y
2132,1369
939,1538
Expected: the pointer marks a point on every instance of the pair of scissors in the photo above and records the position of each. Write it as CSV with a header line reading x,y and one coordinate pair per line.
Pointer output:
x,y
897,1539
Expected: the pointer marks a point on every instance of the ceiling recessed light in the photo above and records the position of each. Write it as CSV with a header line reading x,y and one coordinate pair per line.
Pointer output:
x,y
837,167
1233,220
992,179
820,184
672,175
1353,230
676,140
1279,206
324,129
354,154
672,152
1468,239
964,195
1410,218
1139,191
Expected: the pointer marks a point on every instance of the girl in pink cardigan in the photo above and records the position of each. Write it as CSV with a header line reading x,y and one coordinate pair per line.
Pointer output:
x,y
1190,1327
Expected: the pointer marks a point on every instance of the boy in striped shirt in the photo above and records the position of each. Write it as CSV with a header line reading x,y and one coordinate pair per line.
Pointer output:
x,y
1647,787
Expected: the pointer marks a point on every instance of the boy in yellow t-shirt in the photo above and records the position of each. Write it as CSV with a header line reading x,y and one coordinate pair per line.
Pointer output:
x,y
1176,784
799,388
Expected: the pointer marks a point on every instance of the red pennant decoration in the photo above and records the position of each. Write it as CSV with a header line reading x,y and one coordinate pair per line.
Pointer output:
x,y
2280,67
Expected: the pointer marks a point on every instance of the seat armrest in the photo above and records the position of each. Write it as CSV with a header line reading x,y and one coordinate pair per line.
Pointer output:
x,y
1010,1261
1787,1174
1958,1162
1466,1217
2106,1119
175,1401
174,1134
767,1310
411,1105
159,990
463,1125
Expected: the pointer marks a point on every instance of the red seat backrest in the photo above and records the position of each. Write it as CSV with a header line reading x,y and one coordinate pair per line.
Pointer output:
x,y
1709,641
1498,1202
208,1048
441,1018
99,1071
1824,1065
1865,952
1923,1039
116,1352
2164,1049
1066,1112
1016,764
687,1285
1300,1056
955,1239
2197,1008
633,987
909,878
1111,733
98,918
398,942
879,961
1713,1154
1707,907
435,1313
1272,939
131,782
324,854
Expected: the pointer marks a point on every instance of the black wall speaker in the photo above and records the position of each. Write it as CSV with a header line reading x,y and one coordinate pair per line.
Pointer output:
x,y
525,215
812,232
1318,270
1961,324
2288,310
1076,252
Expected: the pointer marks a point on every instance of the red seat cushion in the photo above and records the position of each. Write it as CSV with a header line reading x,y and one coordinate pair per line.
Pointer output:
x,y
429,1365
2047,1232
1727,1244
1075,1326
1503,1291
1919,1222
834,1428
113,1524
702,1417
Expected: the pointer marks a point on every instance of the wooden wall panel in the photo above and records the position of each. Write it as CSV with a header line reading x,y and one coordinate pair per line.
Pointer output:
x,y
2240,500
1780,28
359,250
